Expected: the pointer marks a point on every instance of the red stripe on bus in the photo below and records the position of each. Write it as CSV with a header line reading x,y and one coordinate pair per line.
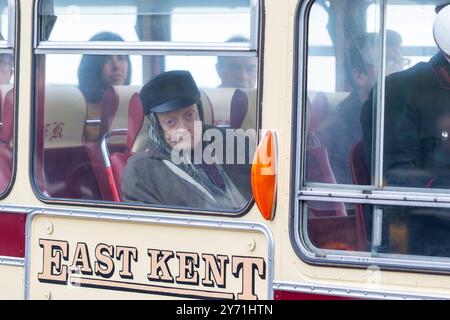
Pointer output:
x,y
12,235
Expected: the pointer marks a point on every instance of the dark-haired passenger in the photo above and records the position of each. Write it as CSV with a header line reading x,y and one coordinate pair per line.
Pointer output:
x,y
343,129
96,73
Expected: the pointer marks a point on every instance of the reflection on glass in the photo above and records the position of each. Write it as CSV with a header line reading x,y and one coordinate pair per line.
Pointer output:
x,y
337,226
417,122
339,143
403,230
71,159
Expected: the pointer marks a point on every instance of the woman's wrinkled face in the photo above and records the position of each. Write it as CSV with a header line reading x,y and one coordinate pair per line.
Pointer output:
x,y
115,70
178,127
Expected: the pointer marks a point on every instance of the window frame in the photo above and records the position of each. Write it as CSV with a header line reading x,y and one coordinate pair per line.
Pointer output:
x,y
147,48
374,194
11,46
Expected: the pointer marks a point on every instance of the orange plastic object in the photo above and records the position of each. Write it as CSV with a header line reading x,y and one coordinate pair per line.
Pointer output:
x,y
264,176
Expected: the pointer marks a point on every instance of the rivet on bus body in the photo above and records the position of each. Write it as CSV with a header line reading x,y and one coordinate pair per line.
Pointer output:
x,y
49,228
47,295
251,245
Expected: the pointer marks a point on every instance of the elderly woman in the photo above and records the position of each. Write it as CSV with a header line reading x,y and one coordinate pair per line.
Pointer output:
x,y
159,175
98,72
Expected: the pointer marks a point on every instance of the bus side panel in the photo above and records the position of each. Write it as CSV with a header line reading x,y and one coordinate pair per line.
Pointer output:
x,y
11,282
12,235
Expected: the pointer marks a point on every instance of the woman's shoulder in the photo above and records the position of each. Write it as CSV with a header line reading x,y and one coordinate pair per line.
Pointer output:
x,y
142,161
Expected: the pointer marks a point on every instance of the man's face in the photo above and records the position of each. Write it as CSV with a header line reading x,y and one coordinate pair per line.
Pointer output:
x,y
178,127
237,72
365,79
395,61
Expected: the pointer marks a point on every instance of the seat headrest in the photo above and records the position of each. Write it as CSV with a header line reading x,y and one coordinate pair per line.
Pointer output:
x,y
322,105
217,105
243,112
65,115
114,106
136,135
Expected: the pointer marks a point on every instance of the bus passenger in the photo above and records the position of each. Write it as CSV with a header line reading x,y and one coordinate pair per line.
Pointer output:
x,y
344,122
237,72
417,142
159,175
98,72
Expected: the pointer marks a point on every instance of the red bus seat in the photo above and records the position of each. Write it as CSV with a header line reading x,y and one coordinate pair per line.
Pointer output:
x,y
118,160
67,171
360,176
323,104
318,169
243,109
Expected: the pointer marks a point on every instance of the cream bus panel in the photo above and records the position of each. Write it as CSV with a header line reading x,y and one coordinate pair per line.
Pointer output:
x,y
11,282
89,258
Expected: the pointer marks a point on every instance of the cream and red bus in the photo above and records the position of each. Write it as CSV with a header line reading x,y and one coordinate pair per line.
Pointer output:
x,y
322,217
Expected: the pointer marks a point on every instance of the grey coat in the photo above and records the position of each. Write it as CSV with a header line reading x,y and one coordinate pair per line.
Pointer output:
x,y
151,178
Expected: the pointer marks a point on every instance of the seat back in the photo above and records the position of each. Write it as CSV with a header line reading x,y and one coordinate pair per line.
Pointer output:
x,y
243,113
136,130
217,105
358,167
323,104
360,176
67,169
318,169
114,114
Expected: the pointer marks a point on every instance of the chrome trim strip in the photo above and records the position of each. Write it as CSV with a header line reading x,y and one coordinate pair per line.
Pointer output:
x,y
12,261
111,47
254,24
145,52
378,137
376,197
104,144
160,220
350,292
90,123
301,114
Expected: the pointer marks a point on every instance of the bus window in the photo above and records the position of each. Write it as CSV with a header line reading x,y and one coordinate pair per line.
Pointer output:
x,y
7,20
118,137
375,174
171,21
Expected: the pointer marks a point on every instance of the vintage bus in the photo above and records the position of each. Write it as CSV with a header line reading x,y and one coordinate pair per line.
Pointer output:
x,y
341,192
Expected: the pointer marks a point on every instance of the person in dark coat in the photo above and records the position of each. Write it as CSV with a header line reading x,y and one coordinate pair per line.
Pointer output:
x,y
167,173
343,129
417,146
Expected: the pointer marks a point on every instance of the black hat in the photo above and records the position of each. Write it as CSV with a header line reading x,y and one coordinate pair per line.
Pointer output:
x,y
169,91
